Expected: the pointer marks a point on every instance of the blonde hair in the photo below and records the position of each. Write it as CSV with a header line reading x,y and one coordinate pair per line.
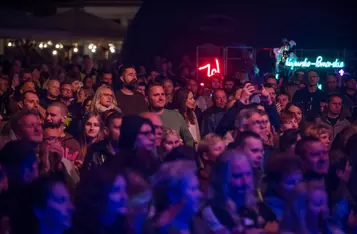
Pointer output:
x,y
316,130
169,131
96,99
209,140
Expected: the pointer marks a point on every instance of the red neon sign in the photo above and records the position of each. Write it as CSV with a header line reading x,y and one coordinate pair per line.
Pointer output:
x,y
211,72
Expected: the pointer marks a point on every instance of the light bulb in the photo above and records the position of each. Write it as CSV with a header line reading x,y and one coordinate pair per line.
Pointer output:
x,y
9,44
49,43
54,52
57,46
93,50
61,46
90,46
40,45
75,49
45,46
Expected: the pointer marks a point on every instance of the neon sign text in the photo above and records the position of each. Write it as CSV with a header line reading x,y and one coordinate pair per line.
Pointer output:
x,y
211,72
319,63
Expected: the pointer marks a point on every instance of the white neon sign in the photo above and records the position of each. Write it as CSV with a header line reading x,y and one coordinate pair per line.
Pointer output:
x,y
319,63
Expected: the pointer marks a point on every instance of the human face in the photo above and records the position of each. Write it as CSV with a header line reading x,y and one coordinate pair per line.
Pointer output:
x,y
192,85
141,89
53,88
216,150
228,86
335,105
67,91
31,101
146,138
241,177
290,124
289,181
76,85
316,158
272,81
58,210
168,87
215,83
297,112
54,115
351,84
88,63
312,78
325,138
108,78
159,131
35,75
87,106
92,127
271,92
171,142
31,129
28,86
283,100
26,76
157,97
129,76
220,99
88,84
106,98
256,124
4,85
193,193
118,198
254,149
190,102
114,129
317,203
331,82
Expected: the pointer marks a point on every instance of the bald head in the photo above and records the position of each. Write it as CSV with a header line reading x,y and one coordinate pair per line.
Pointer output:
x,y
156,121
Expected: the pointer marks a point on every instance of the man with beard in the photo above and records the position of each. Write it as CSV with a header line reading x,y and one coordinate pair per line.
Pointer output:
x,y
66,93
315,157
129,100
56,115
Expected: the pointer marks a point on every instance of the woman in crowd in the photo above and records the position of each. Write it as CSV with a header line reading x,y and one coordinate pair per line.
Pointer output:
x,y
101,203
282,175
93,131
103,100
137,149
184,102
176,200
47,208
297,111
88,85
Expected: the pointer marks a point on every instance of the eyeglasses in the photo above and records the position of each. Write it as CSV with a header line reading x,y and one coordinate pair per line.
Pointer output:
x,y
146,133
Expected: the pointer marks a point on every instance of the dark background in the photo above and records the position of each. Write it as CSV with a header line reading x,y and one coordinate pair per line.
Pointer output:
x,y
173,27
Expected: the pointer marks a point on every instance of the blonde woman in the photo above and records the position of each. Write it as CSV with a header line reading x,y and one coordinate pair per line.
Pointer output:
x,y
170,140
104,100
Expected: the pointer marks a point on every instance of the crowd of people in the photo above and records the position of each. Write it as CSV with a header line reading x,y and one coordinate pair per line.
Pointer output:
x,y
89,150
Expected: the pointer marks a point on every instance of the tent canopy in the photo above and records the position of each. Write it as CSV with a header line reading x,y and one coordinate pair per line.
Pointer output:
x,y
81,24
18,24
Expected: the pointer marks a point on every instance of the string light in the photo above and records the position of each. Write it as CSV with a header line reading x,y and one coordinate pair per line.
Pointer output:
x,y
93,50
49,43
9,44
45,46
61,46
75,50
54,52
57,46
112,49
40,45
90,46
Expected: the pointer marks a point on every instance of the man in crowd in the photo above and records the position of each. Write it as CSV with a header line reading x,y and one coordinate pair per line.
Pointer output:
x,y
310,97
212,116
129,100
228,85
333,118
66,93
52,93
107,78
56,115
315,157
332,83
170,118
271,81
349,95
